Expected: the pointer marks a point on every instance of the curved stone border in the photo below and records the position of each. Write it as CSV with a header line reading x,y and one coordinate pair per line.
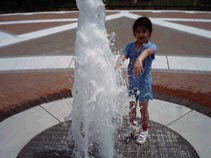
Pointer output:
x,y
65,93
159,93
170,96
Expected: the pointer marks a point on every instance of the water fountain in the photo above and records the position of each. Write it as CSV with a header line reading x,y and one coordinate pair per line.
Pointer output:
x,y
95,88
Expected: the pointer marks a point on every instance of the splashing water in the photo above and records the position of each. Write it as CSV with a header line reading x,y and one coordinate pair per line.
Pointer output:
x,y
95,89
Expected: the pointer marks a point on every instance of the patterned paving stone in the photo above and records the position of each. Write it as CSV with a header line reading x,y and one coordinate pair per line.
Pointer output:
x,y
201,25
175,15
162,142
18,29
39,16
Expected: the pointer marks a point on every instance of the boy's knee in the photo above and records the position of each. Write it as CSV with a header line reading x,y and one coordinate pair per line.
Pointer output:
x,y
143,104
132,104
145,116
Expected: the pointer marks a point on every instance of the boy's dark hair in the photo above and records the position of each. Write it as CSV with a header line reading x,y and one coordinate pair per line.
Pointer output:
x,y
143,22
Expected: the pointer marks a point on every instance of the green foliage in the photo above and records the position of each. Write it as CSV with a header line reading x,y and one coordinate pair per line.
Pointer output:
x,y
160,3
46,5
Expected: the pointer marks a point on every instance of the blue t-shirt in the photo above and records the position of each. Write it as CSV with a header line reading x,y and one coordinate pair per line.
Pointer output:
x,y
143,82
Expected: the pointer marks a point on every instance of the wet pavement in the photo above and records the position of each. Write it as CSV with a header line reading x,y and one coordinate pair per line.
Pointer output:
x,y
57,142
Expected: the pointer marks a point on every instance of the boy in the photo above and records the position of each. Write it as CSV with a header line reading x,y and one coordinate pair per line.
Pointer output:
x,y
141,54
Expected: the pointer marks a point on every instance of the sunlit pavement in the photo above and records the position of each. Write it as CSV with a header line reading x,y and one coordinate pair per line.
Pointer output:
x,y
37,62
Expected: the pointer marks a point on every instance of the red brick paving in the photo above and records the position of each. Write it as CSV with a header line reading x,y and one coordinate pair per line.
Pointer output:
x,y
175,15
59,43
193,87
111,13
186,44
23,90
19,87
201,25
43,16
38,16
26,28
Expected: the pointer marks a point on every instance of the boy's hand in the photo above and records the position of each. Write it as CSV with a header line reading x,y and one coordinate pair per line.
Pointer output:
x,y
116,66
119,61
138,67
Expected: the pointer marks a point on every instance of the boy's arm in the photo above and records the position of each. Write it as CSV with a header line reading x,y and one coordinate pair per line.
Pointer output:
x,y
138,67
119,62
147,52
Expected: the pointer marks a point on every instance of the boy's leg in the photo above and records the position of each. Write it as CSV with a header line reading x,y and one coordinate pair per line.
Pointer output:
x,y
132,112
144,114
142,136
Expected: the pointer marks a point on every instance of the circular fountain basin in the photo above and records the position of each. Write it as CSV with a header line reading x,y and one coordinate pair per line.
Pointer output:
x,y
162,142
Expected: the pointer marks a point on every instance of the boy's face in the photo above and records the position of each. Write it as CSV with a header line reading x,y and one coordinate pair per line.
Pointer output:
x,y
142,34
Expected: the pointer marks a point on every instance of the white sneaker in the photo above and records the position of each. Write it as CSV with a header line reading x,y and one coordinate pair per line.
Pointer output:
x,y
142,137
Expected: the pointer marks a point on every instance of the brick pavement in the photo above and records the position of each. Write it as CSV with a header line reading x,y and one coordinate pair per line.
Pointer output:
x,y
43,16
60,43
169,41
184,88
38,16
22,90
174,15
201,25
63,43
26,28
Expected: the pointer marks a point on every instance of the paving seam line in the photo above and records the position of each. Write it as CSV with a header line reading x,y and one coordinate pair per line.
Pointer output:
x,y
50,113
69,65
179,118
167,62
